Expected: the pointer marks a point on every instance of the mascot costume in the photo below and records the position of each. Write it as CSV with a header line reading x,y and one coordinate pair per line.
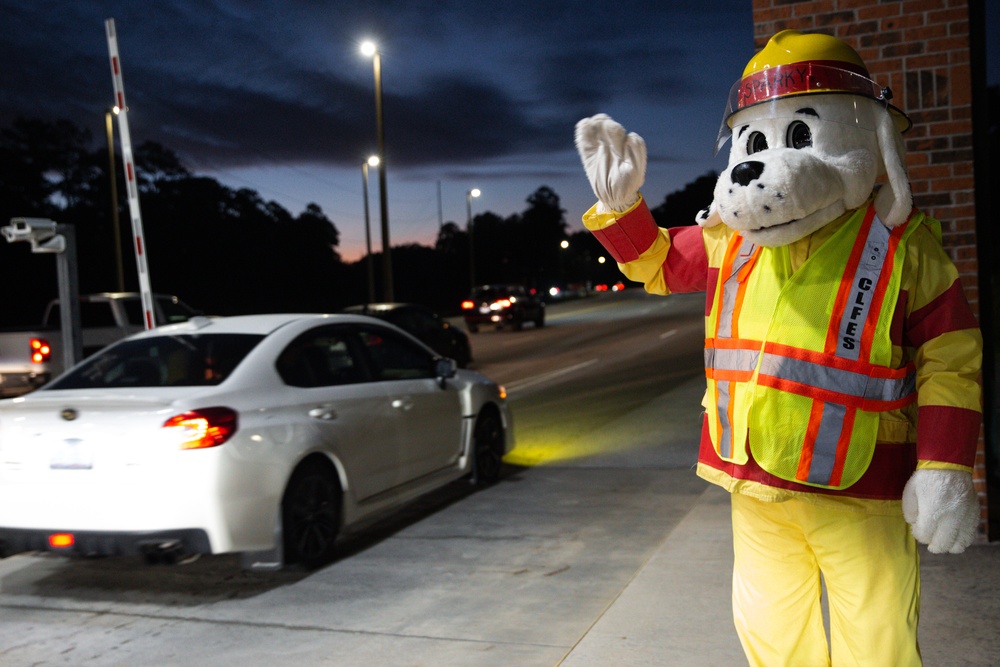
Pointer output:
x,y
843,407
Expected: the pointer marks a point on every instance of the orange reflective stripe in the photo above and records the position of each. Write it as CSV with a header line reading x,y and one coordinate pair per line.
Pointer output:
x,y
846,283
733,343
860,295
734,273
857,384
812,430
731,359
824,447
730,436
878,297
842,445
723,418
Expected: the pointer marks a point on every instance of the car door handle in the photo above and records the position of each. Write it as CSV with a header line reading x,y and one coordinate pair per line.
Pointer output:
x,y
324,413
402,403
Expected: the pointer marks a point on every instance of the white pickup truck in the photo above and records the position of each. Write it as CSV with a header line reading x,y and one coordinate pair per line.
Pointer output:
x,y
30,358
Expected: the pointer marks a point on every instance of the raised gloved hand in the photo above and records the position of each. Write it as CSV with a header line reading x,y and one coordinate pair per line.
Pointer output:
x,y
942,508
615,162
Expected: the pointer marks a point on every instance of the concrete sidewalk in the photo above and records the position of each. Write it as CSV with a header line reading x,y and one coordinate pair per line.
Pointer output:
x,y
960,603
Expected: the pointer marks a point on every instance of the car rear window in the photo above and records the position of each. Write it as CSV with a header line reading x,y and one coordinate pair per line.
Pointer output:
x,y
497,292
162,361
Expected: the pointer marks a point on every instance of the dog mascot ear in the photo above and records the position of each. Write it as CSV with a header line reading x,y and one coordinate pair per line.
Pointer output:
x,y
894,201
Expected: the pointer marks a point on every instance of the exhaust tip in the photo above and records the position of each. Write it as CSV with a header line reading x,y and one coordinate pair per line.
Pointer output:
x,y
169,552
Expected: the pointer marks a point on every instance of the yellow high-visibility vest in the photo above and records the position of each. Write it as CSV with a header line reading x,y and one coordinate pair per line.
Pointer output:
x,y
798,363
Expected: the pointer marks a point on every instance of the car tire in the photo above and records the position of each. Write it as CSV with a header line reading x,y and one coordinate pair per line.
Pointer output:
x,y
310,516
487,447
540,320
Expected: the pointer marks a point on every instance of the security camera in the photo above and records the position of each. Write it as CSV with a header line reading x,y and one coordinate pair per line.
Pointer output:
x,y
42,233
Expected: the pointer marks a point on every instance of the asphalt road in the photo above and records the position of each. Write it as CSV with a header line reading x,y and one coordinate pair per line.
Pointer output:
x,y
599,378
605,400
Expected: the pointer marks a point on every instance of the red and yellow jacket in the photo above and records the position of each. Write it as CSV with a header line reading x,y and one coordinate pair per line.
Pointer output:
x,y
932,331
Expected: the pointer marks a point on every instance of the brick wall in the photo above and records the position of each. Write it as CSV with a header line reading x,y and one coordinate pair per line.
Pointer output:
x,y
920,48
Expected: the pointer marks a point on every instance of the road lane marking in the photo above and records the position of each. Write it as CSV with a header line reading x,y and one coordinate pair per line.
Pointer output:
x,y
545,377
667,334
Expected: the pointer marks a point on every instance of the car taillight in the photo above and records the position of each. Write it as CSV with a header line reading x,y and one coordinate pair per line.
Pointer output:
x,y
199,429
500,304
40,350
61,540
468,304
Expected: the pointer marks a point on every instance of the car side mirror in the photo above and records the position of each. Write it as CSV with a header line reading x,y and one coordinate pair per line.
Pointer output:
x,y
444,369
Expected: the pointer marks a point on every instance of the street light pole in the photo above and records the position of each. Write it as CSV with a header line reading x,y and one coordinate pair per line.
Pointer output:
x,y
115,226
370,49
372,161
474,192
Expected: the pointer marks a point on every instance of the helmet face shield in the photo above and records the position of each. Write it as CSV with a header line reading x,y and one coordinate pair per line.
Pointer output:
x,y
802,79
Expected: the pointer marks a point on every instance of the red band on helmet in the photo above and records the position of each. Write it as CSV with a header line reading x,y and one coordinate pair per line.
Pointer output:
x,y
804,77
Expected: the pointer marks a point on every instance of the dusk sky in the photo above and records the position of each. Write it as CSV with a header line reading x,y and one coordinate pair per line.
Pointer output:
x,y
275,96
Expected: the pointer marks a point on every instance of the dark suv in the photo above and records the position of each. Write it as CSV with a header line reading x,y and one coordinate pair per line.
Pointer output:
x,y
502,306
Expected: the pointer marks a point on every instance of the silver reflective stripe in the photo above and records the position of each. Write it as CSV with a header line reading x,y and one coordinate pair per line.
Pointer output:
x,y
825,449
731,360
858,307
729,290
884,389
854,384
726,432
814,375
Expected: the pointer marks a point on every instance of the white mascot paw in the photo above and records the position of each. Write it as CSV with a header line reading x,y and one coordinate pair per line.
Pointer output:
x,y
615,162
942,509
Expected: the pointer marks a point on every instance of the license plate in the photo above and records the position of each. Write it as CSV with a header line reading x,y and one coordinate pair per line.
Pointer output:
x,y
72,454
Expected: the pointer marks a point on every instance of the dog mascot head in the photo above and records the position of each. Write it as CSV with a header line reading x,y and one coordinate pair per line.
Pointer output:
x,y
811,134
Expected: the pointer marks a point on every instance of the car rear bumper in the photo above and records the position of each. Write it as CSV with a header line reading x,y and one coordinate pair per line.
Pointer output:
x,y
154,545
17,383
493,318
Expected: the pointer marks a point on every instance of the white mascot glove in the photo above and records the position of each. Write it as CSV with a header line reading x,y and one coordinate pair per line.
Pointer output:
x,y
615,162
942,508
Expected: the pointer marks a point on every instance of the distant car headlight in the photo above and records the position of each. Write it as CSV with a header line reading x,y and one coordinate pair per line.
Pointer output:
x,y
200,429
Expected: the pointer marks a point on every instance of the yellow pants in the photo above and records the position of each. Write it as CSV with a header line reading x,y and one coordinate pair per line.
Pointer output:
x,y
871,569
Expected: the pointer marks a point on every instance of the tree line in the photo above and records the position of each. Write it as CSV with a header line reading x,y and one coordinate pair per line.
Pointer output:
x,y
228,251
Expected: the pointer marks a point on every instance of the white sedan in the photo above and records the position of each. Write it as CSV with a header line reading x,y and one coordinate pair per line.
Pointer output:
x,y
260,434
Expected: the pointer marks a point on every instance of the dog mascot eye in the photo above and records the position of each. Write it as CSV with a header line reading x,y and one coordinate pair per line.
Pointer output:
x,y
756,143
799,135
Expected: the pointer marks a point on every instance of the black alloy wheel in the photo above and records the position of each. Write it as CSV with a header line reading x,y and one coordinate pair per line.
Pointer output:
x,y
487,443
311,516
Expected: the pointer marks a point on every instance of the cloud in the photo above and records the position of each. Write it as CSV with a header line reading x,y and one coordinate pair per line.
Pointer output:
x,y
233,83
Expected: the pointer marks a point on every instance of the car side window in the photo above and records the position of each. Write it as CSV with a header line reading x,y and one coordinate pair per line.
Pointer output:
x,y
394,357
322,358
416,322
425,322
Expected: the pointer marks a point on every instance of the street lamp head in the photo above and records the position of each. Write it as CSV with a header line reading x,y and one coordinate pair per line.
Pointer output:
x,y
474,192
564,244
368,48
373,161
